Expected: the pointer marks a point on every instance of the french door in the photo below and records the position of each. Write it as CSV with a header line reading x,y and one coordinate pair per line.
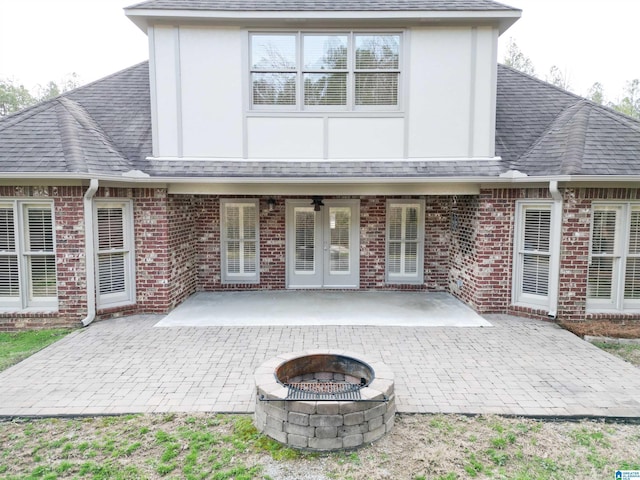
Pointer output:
x,y
323,246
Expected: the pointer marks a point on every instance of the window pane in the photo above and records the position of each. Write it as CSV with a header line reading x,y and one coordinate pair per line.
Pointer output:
x,y
376,88
535,274
394,217
325,52
7,231
377,52
39,230
325,88
305,224
43,276
600,278
249,257
273,52
634,233
339,226
274,88
632,279
233,257
410,257
249,221
110,228
9,278
537,228
232,222
111,273
411,223
604,232
394,262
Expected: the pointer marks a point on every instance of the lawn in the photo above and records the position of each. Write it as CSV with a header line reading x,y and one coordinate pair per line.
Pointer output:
x,y
16,346
630,353
228,447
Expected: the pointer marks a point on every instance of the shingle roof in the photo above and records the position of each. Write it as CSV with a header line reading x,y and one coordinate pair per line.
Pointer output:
x,y
324,5
544,130
100,128
105,128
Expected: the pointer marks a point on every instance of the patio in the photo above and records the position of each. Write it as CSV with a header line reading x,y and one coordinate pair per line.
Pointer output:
x,y
130,364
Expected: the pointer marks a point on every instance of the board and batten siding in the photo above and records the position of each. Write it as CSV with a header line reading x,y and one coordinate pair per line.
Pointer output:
x,y
201,109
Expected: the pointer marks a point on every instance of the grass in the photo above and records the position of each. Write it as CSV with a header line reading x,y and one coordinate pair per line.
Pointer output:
x,y
226,447
16,346
629,353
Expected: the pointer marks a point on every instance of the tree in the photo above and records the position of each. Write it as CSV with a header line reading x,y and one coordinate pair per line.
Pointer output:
x,y
514,58
558,78
13,97
630,103
596,93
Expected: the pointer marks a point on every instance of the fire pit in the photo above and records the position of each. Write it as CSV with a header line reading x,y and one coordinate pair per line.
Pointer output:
x,y
323,401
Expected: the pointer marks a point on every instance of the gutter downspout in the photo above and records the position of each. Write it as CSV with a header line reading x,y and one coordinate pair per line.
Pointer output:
x,y
556,244
89,252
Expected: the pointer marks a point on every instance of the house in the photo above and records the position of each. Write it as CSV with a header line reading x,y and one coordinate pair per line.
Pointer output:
x,y
291,144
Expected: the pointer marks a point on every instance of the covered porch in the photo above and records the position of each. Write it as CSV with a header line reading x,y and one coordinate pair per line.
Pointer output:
x,y
315,307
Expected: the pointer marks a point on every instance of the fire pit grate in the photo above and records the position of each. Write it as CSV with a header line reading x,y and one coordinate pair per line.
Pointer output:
x,y
320,390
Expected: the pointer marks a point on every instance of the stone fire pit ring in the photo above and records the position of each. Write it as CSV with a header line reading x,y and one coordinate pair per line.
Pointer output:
x,y
323,424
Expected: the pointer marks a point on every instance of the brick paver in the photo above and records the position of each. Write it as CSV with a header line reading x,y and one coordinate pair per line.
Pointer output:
x,y
518,366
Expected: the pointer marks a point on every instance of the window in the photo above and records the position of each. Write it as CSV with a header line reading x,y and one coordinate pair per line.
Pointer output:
x,y
240,241
27,255
337,71
614,262
532,254
115,267
405,241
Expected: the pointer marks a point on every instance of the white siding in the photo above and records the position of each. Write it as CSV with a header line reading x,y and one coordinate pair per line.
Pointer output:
x,y
211,72
285,137
366,137
201,102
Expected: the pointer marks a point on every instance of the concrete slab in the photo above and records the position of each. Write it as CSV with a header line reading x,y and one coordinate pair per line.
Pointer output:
x,y
304,307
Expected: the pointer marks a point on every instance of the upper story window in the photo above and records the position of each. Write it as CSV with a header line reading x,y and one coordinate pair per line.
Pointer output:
x,y
330,71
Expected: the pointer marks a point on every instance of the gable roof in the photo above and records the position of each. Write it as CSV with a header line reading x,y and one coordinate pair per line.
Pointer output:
x,y
323,5
104,128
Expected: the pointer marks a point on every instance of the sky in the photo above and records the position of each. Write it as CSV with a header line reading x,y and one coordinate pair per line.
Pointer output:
x,y
42,40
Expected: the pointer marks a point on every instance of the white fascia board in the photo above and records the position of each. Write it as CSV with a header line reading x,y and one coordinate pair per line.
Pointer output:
x,y
143,17
326,160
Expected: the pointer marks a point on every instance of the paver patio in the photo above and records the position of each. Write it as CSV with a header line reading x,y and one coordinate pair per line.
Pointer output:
x,y
125,365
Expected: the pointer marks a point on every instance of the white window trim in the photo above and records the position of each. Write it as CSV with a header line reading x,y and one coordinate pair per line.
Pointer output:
x,y
231,278
617,302
22,302
128,296
350,107
418,277
520,298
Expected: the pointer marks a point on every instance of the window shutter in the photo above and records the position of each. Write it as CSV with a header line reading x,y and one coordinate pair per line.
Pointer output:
x,y
9,276
603,242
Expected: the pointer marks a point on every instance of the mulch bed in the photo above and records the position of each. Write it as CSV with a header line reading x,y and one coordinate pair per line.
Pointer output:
x,y
604,328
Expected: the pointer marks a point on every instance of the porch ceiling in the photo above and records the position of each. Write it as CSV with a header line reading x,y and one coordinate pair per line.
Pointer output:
x,y
306,307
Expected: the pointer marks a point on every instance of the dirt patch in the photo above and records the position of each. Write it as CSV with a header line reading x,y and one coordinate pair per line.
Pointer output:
x,y
604,328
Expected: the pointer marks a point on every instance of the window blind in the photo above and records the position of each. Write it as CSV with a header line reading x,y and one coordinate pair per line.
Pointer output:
x,y
39,252
600,283
9,274
241,239
403,233
340,227
305,238
113,252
